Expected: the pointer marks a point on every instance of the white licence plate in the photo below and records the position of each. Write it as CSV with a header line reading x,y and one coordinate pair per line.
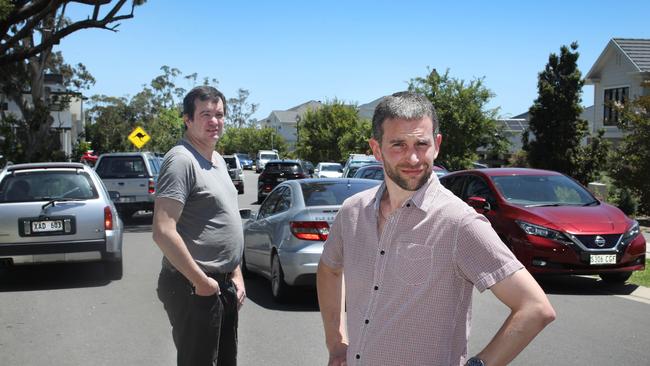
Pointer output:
x,y
281,179
602,259
127,199
47,226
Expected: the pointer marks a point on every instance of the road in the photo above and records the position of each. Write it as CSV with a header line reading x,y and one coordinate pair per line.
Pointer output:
x,y
71,315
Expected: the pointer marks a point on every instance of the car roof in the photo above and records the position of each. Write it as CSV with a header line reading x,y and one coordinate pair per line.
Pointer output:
x,y
288,161
46,165
497,172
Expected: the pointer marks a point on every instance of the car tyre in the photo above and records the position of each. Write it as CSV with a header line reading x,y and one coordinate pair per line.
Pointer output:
x,y
279,288
615,277
114,269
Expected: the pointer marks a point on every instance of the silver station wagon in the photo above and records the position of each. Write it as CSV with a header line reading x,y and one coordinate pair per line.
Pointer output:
x,y
58,212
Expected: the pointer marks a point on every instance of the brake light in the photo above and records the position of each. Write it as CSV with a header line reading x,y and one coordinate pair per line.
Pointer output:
x,y
152,186
108,218
310,230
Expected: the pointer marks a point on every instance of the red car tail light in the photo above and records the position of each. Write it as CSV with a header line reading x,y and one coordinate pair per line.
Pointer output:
x,y
108,218
152,186
310,230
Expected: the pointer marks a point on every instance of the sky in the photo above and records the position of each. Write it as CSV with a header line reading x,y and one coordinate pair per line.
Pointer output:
x,y
286,53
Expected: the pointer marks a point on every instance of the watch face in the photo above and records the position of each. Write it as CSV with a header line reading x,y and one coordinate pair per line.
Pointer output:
x,y
474,361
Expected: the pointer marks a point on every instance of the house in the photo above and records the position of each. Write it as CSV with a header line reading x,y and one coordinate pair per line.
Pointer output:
x,y
287,123
621,72
67,120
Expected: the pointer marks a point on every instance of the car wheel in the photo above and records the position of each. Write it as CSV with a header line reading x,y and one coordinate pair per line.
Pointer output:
x,y
279,288
240,190
615,277
114,269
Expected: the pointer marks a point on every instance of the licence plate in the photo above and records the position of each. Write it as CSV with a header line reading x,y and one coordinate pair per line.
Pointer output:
x,y
281,179
602,259
47,226
127,199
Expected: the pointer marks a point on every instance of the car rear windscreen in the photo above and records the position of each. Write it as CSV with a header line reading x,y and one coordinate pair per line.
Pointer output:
x,y
47,185
121,167
333,193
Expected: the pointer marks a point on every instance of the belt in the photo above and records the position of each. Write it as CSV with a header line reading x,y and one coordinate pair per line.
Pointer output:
x,y
220,277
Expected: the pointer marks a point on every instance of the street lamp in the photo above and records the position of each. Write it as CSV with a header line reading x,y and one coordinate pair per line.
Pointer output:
x,y
297,129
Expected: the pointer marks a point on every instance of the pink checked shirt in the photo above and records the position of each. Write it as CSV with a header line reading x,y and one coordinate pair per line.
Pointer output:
x,y
409,289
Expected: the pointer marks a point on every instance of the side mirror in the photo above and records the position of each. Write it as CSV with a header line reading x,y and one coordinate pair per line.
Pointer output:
x,y
114,195
480,204
246,213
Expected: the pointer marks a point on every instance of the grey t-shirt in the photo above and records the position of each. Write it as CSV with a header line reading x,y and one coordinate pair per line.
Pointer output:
x,y
210,224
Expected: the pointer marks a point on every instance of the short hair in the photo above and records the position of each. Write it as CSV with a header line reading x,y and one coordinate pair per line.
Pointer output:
x,y
402,105
202,93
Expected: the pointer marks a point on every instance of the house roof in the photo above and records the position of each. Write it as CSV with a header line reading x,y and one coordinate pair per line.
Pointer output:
x,y
636,50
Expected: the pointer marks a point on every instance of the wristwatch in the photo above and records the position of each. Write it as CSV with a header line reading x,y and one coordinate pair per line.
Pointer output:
x,y
474,361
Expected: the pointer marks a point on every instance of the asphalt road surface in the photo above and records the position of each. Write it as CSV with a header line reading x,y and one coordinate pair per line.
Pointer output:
x,y
72,315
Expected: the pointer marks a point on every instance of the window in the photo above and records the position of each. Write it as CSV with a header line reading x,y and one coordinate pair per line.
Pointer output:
x,y
268,206
613,96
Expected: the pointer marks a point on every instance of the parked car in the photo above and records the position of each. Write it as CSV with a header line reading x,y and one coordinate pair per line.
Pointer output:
x,y
328,170
133,175
356,161
372,171
552,223
89,158
264,156
235,171
284,240
376,171
276,172
245,160
58,212
308,167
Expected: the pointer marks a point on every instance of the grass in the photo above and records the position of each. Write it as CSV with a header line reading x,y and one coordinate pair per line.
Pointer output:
x,y
641,278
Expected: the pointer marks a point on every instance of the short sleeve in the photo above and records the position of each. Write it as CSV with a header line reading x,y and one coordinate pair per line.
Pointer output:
x,y
480,256
176,178
333,247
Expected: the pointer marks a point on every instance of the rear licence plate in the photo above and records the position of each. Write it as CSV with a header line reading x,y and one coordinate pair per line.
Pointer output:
x,y
281,179
602,259
47,226
127,199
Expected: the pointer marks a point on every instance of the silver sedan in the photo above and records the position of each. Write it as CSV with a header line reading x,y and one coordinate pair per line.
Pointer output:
x,y
58,212
284,240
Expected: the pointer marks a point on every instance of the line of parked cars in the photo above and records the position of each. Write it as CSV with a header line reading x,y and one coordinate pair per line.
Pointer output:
x,y
552,224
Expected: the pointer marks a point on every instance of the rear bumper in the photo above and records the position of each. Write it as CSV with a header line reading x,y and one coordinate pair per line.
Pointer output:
x,y
79,251
134,206
300,267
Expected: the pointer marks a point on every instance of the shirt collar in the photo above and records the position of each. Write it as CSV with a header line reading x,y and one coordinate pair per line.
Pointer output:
x,y
419,198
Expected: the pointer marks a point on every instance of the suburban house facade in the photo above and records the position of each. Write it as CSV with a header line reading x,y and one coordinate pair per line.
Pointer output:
x,y
68,120
621,72
287,123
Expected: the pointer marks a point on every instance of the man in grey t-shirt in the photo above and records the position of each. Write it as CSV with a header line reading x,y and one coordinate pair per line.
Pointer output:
x,y
197,226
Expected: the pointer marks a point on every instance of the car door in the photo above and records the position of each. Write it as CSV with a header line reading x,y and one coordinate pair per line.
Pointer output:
x,y
256,238
477,187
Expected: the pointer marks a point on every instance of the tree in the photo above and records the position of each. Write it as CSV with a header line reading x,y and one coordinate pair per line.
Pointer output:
x,y
331,132
464,120
29,30
556,125
240,111
630,161
250,140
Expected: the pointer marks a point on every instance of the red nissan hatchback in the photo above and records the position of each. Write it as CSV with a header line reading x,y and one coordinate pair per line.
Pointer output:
x,y
552,223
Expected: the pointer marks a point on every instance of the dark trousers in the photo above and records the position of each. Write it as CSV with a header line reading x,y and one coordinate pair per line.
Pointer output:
x,y
204,328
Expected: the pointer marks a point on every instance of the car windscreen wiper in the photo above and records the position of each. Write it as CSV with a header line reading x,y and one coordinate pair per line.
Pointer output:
x,y
592,203
53,201
546,205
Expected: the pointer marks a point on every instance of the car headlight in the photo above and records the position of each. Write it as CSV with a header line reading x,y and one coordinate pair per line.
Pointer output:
x,y
542,231
632,232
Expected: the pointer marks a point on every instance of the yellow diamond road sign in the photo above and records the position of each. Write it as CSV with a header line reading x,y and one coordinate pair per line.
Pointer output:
x,y
139,137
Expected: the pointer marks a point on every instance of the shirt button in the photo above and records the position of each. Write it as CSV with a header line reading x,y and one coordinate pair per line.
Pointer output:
x,y
382,252
376,288
358,356
408,205
367,321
